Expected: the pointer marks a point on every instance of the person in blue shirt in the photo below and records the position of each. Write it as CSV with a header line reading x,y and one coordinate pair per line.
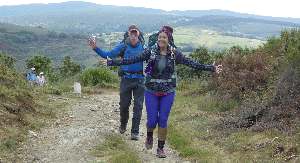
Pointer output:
x,y
132,78
31,76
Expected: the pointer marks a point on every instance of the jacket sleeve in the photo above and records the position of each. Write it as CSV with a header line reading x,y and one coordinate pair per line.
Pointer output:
x,y
181,59
111,54
131,60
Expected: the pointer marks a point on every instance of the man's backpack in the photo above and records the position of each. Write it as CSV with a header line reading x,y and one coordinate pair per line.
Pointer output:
x,y
126,42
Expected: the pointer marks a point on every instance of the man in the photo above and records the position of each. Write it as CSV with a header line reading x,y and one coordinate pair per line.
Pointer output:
x,y
132,78
31,76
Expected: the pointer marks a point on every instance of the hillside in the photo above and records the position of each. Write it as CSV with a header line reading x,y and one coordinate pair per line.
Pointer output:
x,y
248,113
22,42
83,17
199,13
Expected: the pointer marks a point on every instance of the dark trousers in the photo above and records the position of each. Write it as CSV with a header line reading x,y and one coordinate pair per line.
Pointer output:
x,y
131,88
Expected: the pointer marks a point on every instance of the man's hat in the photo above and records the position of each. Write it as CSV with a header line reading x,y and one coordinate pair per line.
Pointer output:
x,y
133,28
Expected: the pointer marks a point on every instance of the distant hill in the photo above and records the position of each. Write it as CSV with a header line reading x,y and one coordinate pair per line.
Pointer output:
x,y
23,42
84,17
200,13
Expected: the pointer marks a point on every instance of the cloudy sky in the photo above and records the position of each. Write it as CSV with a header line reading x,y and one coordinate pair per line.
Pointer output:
x,y
276,8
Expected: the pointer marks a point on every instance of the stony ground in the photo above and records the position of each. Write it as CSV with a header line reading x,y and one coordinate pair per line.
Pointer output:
x,y
74,134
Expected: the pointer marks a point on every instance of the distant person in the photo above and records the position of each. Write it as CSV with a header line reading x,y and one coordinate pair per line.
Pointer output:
x,y
132,77
31,76
41,80
161,83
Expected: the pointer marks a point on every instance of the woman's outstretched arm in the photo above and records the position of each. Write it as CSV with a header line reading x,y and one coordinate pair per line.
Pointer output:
x,y
131,60
181,59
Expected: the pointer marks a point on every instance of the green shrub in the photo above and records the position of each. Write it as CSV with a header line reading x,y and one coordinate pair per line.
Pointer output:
x,y
8,144
50,89
16,100
41,63
201,55
69,68
98,76
14,88
291,44
7,60
272,75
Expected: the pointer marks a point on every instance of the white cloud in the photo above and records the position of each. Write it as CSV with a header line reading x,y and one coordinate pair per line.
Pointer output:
x,y
278,8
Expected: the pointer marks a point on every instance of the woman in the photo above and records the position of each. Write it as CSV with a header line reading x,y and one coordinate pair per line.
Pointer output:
x,y
160,83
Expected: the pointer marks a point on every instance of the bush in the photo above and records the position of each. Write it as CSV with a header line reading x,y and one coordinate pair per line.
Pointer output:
x,y
243,71
271,106
44,64
41,63
98,76
15,95
7,60
69,68
291,45
201,55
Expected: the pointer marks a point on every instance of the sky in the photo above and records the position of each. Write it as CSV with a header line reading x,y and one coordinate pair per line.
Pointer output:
x,y
275,8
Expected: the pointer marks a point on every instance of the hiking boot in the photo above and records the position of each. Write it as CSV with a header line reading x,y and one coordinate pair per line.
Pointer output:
x,y
134,136
160,153
122,129
149,143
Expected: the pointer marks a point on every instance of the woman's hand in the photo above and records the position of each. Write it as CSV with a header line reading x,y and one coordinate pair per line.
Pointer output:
x,y
218,68
103,61
92,42
113,62
109,61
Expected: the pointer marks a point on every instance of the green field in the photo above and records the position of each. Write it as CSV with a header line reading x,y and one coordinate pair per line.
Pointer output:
x,y
196,36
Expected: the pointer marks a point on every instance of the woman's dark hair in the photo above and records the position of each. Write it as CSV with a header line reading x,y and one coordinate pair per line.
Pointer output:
x,y
169,31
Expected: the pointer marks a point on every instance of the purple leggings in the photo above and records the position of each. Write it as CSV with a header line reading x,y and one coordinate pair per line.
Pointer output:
x,y
158,109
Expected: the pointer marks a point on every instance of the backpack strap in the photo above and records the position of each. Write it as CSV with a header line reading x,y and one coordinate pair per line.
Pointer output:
x,y
173,51
173,56
122,52
154,52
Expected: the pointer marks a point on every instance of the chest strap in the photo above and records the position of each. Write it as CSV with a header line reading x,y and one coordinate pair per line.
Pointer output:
x,y
161,80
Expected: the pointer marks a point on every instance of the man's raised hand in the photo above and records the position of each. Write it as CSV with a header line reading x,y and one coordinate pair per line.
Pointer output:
x,y
92,42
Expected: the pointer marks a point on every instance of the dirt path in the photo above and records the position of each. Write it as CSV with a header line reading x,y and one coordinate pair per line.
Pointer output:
x,y
71,137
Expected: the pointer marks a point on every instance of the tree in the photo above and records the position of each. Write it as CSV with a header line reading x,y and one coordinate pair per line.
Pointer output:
x,y
69,68
201,55
40,63
7,61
